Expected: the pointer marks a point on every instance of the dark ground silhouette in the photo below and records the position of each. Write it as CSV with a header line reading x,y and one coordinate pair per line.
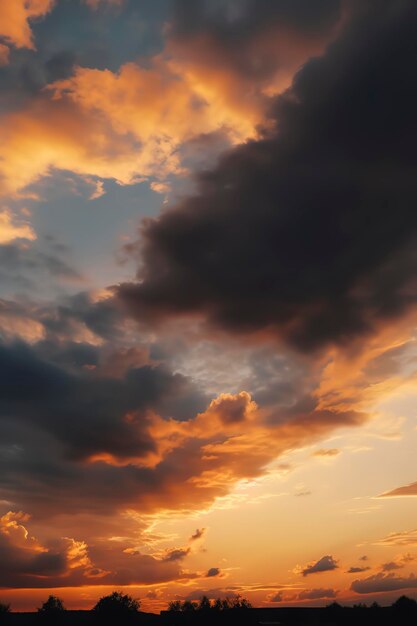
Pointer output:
x,y
119,609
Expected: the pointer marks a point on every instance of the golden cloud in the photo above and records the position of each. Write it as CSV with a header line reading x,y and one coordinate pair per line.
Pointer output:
x,y
11,228
15,17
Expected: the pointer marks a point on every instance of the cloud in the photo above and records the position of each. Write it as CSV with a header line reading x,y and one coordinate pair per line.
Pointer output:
x,y
212,594
94,4
276,597
383,582
11,228
357,570
117,422
406,490
391,565
175,554
15,17
398,563
4,54
402,538
24,266
326,452
26,563
325,564
248,252
213,571
199,534
251,48
123,127
124,130
89,416
118,436
316,594
232,409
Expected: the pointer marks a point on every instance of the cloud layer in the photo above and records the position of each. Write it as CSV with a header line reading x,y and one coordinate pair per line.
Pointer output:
x,y
299,234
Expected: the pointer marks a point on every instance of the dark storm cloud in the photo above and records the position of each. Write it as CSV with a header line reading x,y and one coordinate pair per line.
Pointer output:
x,y
309,232
221,17
325,564
86,413
231,31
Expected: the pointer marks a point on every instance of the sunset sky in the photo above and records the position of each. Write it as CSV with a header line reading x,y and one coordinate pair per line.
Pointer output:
x,y
208,300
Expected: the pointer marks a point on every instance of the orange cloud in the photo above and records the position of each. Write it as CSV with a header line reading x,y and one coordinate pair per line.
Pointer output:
x,y
4,54
57,135
11,228
15,17
11,526
27,563
402,538
232,440
326,452
405,490
160,104
361,375
126,126
131,124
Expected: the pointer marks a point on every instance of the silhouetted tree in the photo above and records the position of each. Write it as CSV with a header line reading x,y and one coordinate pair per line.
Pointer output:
x,y
240,603
226,604
52,611
204,604
405,605
334,606
116,606
217,605
188,606
5,614
52,605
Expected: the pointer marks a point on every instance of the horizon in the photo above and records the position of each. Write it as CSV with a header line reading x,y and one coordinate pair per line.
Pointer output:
x,y
168,609
208,305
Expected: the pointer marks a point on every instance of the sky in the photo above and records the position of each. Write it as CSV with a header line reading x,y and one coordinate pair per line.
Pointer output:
x,y
208,301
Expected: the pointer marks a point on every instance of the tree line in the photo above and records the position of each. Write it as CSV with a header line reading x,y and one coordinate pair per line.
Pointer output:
x,y
120,605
